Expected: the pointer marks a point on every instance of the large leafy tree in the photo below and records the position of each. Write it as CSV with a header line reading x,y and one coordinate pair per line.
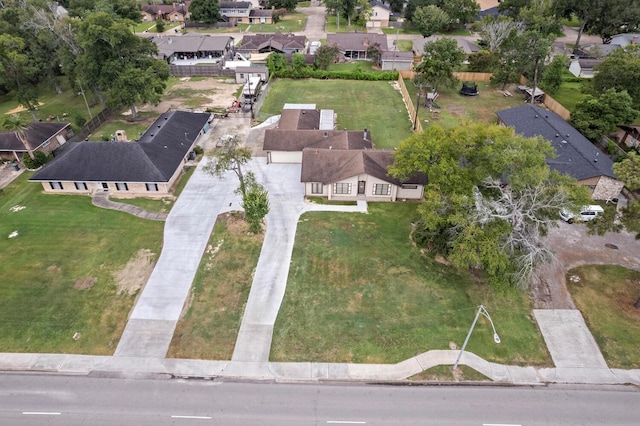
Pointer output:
x,y
19,71
413,5
621,71
605,18
205,11
490,198
118,63
494,31
430,20
552,74
440,59
460,11
325,56
628,171
290,5
594,117
535,48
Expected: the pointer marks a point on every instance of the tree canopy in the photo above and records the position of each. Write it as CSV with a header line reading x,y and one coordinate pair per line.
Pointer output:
x,y
628,171
605,18
490,198
597,116
205,11
430,20
440,59
620,71
290,5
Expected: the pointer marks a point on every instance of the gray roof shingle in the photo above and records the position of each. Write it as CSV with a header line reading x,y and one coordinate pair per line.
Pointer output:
x,y
153,158
357,41
297,140
575,154
36,134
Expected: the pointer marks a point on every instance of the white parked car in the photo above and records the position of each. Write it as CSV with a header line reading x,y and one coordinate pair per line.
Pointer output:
x,y
586,214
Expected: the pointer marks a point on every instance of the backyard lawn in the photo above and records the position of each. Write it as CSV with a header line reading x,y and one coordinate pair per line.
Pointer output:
x,y
456,108
72,268
375,105
360,291
209,328
605,295
569,93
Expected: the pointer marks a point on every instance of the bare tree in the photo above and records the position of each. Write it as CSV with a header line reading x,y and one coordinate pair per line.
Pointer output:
x,y
495,31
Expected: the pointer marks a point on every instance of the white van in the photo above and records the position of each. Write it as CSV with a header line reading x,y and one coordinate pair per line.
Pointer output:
x,y
586,214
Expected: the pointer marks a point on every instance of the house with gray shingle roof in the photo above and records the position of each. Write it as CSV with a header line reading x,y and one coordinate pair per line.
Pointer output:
x,y
147,167
192,46
40,136
576,156
355,45
276,42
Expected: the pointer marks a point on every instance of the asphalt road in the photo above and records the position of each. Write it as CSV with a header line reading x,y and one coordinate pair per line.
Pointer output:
x,y
73,400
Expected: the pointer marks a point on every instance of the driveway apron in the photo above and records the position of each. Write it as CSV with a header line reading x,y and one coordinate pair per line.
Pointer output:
x,y
151,325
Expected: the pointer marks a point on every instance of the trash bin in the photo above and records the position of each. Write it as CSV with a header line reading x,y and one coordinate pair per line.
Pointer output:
x,y
192,155
16,166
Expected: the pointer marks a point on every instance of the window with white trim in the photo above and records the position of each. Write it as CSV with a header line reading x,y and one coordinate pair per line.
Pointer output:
x,y
152,187
80,186
409,186
56,185
342,188
316,187
122,186
381,189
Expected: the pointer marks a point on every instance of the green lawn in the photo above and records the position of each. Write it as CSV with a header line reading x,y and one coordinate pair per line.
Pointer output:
x,y
209,328
133,129
456,108
404,45
605,295
53,104
64,242
402,30
292,22
144,26
570,92
365,66
360,291
333,27
374,105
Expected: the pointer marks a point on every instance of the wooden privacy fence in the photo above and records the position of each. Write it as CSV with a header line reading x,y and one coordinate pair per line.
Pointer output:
x,y
417,126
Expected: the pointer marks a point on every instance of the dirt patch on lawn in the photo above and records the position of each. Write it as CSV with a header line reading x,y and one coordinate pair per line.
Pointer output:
x,y
203,94
136,272
456,110
85,283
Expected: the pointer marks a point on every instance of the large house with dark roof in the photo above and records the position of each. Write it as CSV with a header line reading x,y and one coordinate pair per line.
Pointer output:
x,y
40,136
192,46
576,156
176,12
337,164
147,167
277,42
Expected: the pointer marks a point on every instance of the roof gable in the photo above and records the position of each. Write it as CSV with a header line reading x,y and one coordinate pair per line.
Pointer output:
x,y
575,154
296,140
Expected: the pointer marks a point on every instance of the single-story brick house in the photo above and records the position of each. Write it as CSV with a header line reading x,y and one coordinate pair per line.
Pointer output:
x,y
176,12
355,45
40,136
277,42
148,167
576,156
352,174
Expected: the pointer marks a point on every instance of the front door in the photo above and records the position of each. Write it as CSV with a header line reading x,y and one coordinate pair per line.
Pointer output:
x,y
361,186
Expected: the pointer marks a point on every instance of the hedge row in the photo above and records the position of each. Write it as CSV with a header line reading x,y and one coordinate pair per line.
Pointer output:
x,y
338,75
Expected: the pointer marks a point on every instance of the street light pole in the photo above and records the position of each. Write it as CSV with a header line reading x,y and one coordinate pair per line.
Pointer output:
x,y
496,338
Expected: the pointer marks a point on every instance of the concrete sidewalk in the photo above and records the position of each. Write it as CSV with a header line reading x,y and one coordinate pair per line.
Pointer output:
x,y
101,199
138,367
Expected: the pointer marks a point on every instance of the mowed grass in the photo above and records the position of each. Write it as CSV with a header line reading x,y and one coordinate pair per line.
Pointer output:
x,y
360,291
569,93
61,240
375,105
209,328
605,296
456,108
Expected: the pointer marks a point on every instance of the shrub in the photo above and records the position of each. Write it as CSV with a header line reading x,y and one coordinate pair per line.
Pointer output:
x,y
39,159
79,120
160,27
198,150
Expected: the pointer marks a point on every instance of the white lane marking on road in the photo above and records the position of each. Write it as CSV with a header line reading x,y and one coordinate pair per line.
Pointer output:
x,y
40,413
499,424
345,422
192,417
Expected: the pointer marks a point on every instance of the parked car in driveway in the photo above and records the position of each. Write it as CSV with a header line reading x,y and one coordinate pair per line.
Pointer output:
x,y
586,214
